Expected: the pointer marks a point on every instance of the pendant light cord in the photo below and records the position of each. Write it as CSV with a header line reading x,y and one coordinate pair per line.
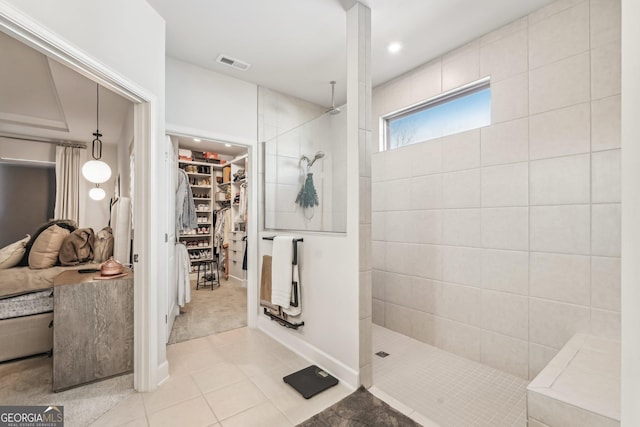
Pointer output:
x,y
96,147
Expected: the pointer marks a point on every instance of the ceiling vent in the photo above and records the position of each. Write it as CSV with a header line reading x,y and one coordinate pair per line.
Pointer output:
x,y
232,62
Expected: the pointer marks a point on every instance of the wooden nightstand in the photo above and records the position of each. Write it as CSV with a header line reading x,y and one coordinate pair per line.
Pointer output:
x,y
92,328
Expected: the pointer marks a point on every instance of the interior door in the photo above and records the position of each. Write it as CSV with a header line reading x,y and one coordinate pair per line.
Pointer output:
x,y
171,165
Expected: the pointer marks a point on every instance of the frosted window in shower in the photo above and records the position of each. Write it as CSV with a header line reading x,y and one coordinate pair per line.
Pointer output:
x,y
453,112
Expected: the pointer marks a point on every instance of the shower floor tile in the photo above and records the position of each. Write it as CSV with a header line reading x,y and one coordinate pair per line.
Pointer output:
x,y
435,386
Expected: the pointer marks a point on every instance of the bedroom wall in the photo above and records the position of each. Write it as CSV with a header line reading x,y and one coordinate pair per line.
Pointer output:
x,y
515,227
27,199
94,214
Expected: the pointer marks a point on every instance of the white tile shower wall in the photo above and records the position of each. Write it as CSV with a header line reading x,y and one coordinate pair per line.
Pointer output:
x,y
501,243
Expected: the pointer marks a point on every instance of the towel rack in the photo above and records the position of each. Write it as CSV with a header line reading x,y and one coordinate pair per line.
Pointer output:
x,y
282,321
296,297
272,237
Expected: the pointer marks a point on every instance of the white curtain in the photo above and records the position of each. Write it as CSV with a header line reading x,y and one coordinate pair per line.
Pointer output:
x,y
67,183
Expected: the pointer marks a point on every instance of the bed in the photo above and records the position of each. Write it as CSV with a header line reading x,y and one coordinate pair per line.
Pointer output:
x,y
26,310
26,294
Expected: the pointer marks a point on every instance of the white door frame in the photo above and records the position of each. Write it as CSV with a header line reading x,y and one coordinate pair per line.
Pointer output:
x,y
21,27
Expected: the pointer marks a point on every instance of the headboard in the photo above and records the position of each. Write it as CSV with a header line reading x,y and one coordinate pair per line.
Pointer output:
x,y
121,226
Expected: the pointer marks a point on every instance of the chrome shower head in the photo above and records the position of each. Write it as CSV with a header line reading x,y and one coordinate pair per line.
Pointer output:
x,y
318,155
333,110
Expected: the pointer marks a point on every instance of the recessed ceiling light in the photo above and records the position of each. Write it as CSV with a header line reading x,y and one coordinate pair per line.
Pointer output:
x,y
394,47
227,145
196,140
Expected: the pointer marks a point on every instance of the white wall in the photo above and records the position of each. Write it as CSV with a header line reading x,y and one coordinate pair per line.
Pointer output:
x,y
202,99
500,243
630,213
135,53
328,262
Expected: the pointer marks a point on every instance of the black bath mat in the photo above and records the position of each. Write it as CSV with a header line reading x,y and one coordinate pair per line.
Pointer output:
x,y
310,381
359,409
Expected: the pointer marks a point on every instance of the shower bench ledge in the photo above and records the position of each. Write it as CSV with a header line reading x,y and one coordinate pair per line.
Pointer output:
x,y
580,386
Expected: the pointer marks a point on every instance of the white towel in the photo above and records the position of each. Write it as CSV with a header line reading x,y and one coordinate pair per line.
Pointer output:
x,y
183,267
295,311
281,271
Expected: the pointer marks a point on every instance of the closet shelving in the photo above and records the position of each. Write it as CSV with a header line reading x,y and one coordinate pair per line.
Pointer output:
x,y
216,188
199,242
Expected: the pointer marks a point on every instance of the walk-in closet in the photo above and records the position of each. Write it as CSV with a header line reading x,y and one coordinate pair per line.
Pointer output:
x,y
210,237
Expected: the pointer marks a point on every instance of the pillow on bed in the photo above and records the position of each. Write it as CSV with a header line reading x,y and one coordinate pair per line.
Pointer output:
x,y
11,255
44,252
64,223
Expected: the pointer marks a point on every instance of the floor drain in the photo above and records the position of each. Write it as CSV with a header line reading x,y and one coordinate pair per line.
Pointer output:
x,y
382,354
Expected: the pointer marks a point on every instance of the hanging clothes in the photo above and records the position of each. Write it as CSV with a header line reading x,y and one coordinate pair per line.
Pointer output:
x,y
243,202
183,267
219,234
186,218
244,260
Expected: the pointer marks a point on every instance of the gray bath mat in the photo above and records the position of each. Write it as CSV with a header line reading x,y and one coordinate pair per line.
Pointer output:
x,y
359,409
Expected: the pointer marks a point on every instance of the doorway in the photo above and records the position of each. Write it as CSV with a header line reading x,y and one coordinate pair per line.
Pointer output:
x,y
215,175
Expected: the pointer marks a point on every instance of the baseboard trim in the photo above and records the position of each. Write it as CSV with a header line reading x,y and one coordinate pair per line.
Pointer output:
x,y
163,372
335,367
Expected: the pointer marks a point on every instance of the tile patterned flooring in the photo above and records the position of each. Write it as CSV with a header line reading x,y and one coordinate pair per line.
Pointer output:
x,y
435,387
225,380
235,379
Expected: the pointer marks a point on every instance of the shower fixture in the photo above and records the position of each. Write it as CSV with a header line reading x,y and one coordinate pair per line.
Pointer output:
x,y
310,162
308,196
333,110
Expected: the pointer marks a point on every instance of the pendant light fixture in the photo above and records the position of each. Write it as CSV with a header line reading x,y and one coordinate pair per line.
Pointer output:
x,y
96,170
97,193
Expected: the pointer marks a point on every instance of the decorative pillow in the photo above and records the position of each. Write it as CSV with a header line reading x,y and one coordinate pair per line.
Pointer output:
x,y
103,248
77,247
64,223
11,255
44,252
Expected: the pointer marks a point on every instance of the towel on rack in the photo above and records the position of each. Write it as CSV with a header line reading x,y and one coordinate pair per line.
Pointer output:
x,y
265,283
295,311
281,271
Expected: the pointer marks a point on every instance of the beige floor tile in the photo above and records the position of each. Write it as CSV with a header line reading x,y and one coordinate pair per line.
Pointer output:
x,y
235,398
173,391
259,416
297,411
128,410
193,413
189,346
220,374
190,362
291,403
138,422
